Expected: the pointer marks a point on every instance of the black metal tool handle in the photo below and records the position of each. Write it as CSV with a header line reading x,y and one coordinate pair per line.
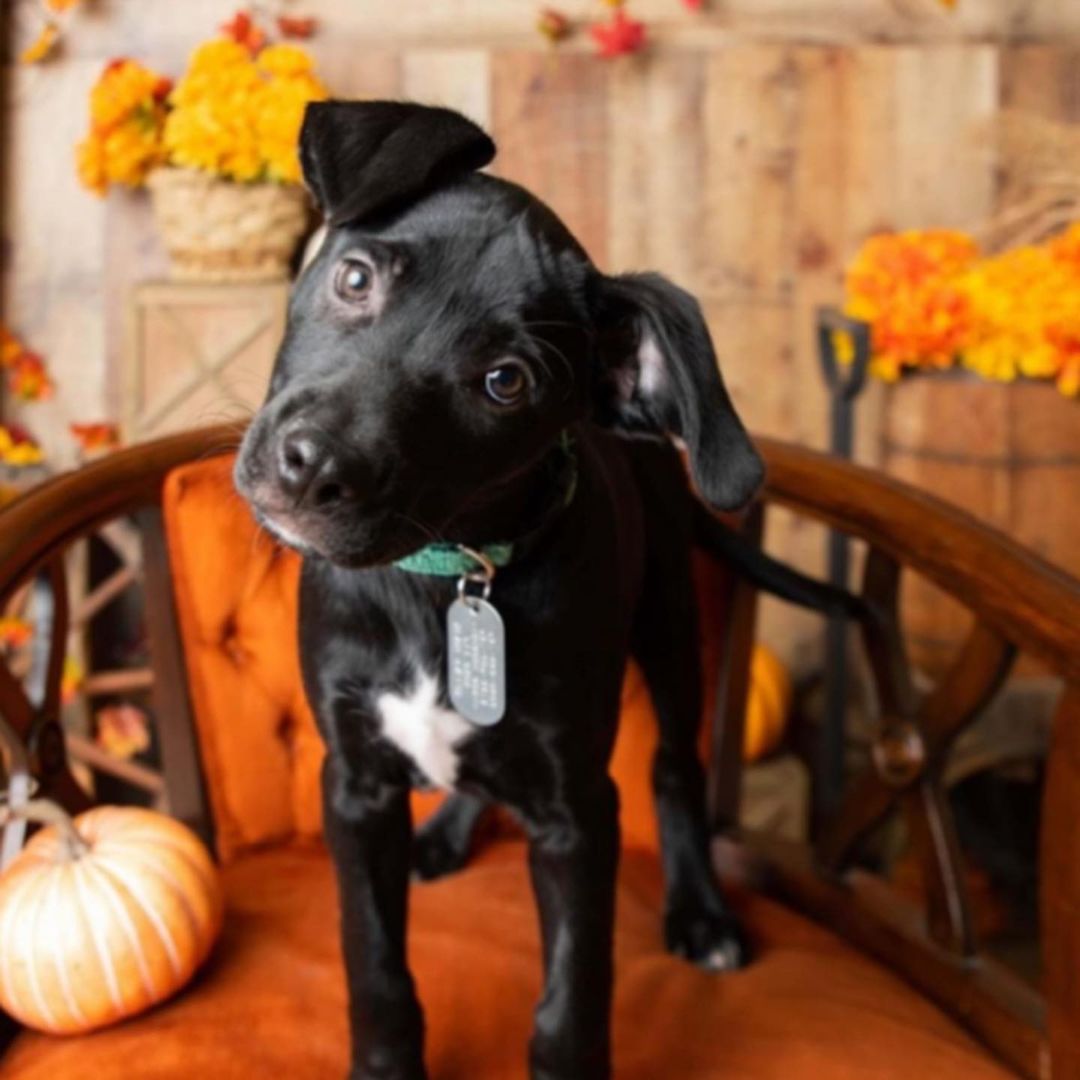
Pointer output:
x,y
844,381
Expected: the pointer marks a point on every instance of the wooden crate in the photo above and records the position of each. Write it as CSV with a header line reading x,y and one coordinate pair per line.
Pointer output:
x,y
198,354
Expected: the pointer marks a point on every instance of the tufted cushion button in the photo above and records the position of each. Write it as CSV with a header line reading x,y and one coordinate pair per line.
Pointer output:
x,y
230,642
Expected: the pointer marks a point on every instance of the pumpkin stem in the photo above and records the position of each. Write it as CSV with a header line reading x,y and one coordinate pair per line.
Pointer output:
x,y
46,812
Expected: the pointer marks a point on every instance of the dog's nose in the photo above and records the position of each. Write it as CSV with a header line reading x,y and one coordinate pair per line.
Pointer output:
x,y
308,469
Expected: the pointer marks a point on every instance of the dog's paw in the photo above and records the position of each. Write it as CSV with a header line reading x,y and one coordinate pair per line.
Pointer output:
x,y
434,854
714,942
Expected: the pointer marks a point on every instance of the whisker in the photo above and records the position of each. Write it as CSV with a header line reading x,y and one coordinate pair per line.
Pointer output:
x,y
432,534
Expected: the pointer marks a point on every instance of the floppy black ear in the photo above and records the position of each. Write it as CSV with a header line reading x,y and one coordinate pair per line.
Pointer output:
x,y
658,374
362,158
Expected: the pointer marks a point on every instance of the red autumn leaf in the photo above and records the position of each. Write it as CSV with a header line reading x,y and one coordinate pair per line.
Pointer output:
x,y
619,37
99,436
29,379
297,26
244,31
17,432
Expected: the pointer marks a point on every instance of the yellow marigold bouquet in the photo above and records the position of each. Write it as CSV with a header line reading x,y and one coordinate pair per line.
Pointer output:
x,y
239,115
236,113
934,301
127,113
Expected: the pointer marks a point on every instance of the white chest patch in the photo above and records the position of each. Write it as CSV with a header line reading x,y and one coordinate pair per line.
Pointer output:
x,y
421,728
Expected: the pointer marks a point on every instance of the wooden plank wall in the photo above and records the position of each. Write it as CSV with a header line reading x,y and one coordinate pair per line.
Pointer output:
x,y
746,156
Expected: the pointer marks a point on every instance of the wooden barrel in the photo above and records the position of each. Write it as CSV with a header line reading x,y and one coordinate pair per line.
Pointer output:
x,y
1007,452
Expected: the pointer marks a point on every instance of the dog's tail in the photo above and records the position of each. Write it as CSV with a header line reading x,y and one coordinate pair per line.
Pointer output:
x,y
768,574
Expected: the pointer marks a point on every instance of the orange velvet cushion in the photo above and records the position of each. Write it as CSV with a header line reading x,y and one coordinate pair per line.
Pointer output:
x,y
272,1001
236,596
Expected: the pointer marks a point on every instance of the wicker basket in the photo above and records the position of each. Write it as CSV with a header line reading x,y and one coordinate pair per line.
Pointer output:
x,y
218,230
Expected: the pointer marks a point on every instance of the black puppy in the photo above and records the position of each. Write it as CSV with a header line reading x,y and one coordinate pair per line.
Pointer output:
x,y
447,421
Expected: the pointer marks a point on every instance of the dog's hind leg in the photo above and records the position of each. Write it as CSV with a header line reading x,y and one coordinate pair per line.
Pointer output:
x,y
444,842
698,923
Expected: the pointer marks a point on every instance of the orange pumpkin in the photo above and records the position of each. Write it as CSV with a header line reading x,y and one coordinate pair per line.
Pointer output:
x,y
103,917
768,703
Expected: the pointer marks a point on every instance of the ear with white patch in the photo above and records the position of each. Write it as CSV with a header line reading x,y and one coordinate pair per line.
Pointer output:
x,y
658,375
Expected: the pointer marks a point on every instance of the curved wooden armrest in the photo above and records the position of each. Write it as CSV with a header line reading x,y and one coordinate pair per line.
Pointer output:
x,y
1031,602
50,516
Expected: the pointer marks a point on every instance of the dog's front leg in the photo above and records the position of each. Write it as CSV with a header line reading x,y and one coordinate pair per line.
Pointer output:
x,y
369,830
573,857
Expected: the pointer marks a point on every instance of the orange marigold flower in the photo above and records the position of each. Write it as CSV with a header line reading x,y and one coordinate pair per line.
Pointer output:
x,y
60,6
1066,247
127,116
904,285
42,45
932,302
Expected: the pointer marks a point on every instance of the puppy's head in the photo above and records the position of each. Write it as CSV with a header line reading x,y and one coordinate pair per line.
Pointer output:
x,y
447,331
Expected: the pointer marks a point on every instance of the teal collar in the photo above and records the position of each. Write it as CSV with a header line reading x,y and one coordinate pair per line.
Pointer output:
x,y
456,560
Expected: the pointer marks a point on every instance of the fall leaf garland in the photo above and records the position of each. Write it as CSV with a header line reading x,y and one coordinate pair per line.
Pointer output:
x,y
619,34
28,381
243,27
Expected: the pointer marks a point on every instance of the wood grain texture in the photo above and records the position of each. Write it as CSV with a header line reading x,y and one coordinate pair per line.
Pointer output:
x,y
1008,453
455,78
746,155
549,122
1030,601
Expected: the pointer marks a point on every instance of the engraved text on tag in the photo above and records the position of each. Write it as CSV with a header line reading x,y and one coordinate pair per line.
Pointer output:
x,y
476,660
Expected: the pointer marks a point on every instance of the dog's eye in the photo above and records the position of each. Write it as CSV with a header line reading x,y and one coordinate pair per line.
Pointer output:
x,y
353,280
507,383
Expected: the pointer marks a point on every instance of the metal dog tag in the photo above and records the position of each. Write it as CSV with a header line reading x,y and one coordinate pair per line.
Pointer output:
x,y
476,660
